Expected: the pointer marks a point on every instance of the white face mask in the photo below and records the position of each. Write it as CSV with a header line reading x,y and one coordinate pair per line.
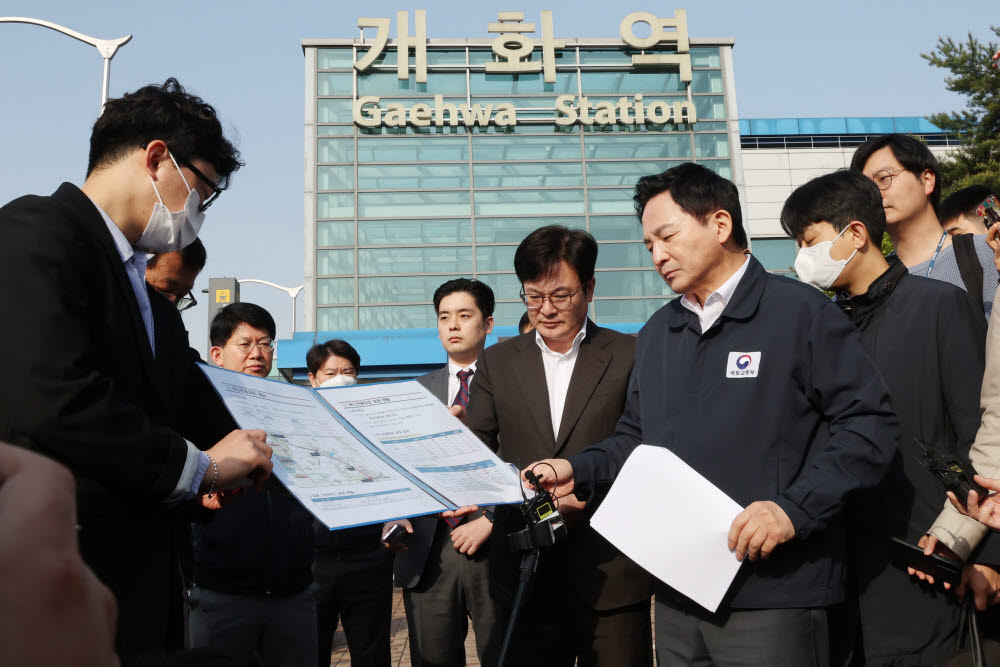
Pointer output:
x,y
339,381
166,231
816,267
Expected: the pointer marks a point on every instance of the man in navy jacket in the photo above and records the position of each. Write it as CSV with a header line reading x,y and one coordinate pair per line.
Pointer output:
x,y
762,385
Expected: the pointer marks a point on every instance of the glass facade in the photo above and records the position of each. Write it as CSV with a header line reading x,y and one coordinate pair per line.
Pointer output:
x,y
396,211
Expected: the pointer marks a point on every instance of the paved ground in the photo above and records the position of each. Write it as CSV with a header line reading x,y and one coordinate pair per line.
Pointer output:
x,y
398,643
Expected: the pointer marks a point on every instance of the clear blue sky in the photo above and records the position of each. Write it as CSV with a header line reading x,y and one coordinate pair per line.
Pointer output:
x,y
792,59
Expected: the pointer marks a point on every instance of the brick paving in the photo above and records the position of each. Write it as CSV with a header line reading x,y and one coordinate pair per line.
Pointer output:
x,y
398,640
399,646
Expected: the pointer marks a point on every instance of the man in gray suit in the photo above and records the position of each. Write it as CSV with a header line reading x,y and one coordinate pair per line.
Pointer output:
x,y
442,567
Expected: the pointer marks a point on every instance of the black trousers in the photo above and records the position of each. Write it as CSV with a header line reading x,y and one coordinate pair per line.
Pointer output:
x,y
557,629
359,593
138,561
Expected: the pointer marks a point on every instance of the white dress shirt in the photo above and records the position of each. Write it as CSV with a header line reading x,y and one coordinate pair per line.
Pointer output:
x,y
558,372
135,269
716,301
196,462
454,382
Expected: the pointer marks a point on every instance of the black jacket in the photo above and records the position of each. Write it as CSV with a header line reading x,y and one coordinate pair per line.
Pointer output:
x,y
260,545
82,386
811,426
927,339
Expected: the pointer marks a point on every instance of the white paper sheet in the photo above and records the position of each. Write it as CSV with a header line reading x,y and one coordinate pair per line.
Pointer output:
x,y
673,522
406,422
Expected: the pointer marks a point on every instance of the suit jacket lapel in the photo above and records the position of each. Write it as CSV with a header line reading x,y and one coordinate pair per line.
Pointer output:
x,y
591,363
84,210
440,385
530,375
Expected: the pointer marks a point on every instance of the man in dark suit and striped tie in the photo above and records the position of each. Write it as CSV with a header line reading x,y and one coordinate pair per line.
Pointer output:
x,y
443,566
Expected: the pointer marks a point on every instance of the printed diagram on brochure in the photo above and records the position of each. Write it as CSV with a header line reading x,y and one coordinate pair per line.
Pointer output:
x,y
310,461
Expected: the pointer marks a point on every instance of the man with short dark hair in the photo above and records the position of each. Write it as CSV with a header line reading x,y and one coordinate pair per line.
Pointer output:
x,y
172,274
553,392
442,567
524,325
908,175
760,384
252,562
958,211
933,368
103,379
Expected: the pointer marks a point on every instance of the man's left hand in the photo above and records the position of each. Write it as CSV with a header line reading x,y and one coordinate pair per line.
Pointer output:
x,y
468,537
983,581
758,529
220,499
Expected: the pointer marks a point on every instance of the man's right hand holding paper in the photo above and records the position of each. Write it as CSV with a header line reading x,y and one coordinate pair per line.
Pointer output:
x,y
239,455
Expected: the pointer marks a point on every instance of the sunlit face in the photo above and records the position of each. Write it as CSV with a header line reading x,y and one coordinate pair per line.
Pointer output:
x,y
332,367
461,326
559,326
907,194
685,250
962,224
173,184
255,359
842,248
170,276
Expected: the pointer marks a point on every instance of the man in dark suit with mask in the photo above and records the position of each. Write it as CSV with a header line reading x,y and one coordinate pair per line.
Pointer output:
x,y
102,378
443,567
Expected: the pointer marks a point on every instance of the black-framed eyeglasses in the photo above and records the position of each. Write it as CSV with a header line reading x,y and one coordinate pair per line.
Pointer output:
x,y
883,178
559,300
181,302
216,190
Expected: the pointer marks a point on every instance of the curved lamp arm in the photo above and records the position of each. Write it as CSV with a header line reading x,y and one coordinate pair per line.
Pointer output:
x,y
291,291
106,47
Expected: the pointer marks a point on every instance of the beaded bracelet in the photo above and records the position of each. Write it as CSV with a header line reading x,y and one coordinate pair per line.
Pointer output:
x,y
215,478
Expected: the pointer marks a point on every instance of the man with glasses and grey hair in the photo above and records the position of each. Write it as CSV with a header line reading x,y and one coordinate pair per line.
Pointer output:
x,y
172,274
253,561
552,392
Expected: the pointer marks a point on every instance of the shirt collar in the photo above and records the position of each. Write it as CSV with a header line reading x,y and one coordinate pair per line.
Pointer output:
x,y
724,293
121,243
454,368
577,340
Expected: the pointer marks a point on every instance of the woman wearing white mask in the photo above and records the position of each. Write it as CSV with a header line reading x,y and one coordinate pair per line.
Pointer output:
x,y
353,571
333,364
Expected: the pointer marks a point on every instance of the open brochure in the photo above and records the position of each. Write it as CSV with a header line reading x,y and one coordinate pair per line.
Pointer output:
x,y
367,453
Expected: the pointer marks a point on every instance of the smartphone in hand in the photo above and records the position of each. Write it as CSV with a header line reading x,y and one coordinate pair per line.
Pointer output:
x,y
989,211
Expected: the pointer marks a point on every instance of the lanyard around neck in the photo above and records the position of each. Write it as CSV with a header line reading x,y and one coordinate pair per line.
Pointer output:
x,y
930,267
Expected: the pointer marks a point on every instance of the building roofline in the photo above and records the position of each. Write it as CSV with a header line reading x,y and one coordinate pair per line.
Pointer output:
x,y
488,42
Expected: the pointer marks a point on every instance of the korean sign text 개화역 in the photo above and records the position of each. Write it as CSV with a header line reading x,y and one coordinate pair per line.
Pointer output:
x,y
513,49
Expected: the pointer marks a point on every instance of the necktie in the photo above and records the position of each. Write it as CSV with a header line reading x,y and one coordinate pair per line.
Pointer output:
x,y
462,397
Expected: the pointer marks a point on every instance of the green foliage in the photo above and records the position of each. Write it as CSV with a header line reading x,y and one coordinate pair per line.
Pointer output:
x,y
978,124
887,246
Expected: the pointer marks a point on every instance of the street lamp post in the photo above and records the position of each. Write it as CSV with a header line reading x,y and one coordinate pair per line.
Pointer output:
x,y
291,291
106,47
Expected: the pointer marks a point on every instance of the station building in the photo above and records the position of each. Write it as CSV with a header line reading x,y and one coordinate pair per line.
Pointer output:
x,y
430,159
